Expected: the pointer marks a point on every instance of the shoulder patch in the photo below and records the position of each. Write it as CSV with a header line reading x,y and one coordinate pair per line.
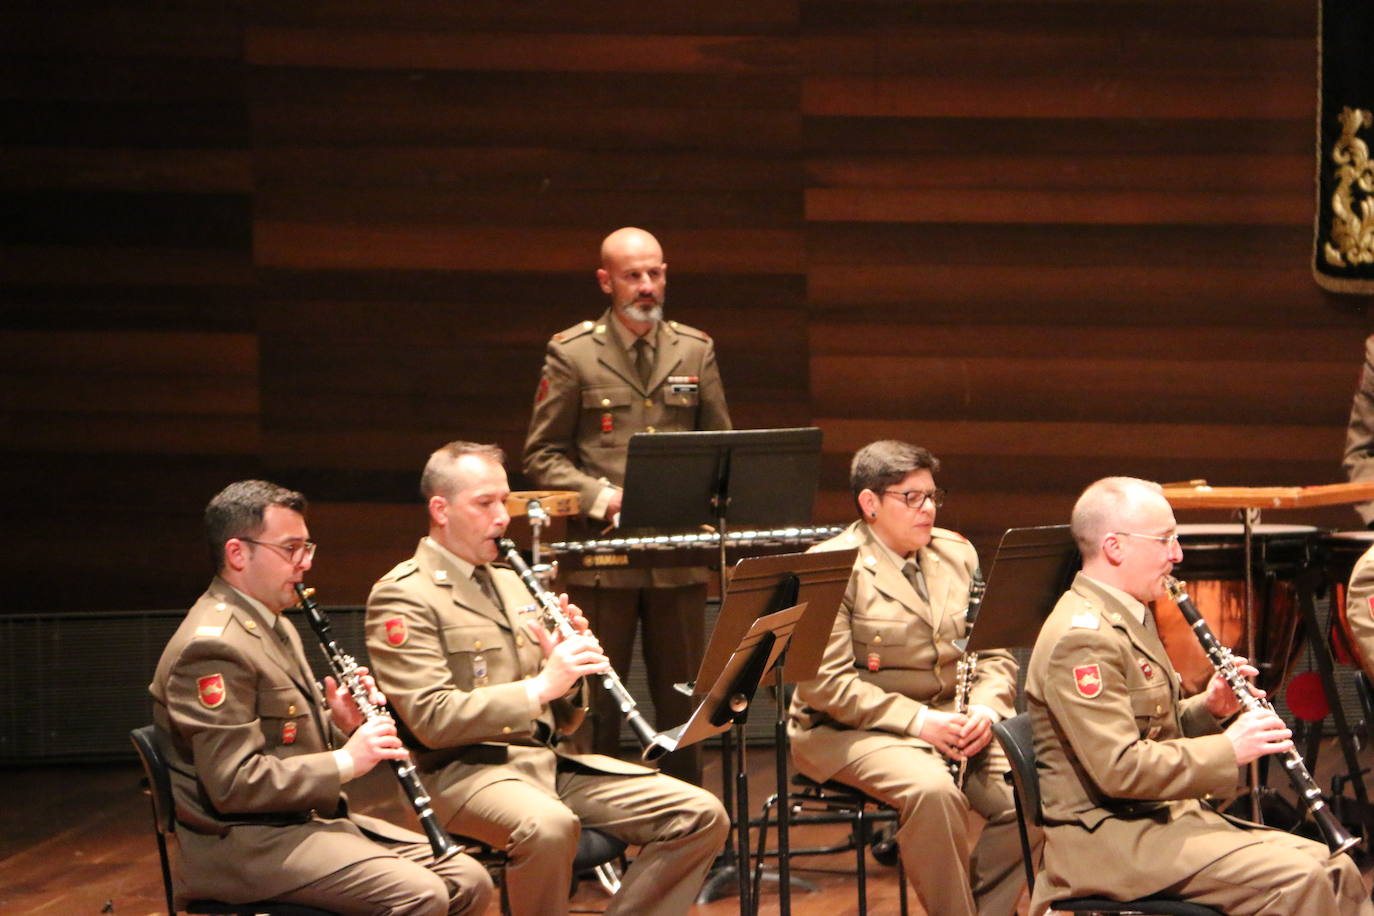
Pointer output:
x,y
400,570
1084,620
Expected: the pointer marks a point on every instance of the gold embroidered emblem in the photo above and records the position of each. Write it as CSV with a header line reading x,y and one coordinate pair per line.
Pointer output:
x,y
1352,203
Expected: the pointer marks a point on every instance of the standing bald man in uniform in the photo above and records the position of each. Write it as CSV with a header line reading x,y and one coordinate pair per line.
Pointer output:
x,y
628,372
1125,762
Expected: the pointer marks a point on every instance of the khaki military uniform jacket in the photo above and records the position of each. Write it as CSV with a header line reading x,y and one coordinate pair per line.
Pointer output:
x,y
590,400
850,710
1359,433
453,667
248,741
1123,760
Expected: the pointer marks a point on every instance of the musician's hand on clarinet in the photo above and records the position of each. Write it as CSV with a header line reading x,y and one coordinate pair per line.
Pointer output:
x,y
343,709
1222,701
573,613
944,731
976,733
566,661
1256,733
373,741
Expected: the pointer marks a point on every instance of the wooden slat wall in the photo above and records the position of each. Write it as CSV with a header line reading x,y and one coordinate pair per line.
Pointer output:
x,y
1050,240
1055,241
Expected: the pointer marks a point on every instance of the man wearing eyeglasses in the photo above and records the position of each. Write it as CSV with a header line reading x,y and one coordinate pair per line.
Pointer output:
x,y
1125,761
881,716
258,756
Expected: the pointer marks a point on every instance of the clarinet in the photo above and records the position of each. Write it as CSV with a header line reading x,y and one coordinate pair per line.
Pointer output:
x,y
555,621
1337,838
345,670
966,671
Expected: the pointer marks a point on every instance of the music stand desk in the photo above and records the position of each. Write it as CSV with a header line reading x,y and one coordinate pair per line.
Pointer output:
x,y
1206,497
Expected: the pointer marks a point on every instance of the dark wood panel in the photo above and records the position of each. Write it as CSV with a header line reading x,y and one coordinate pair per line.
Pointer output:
x,y
620,17
532,168
1199,95
370,48
1001,206
1083,386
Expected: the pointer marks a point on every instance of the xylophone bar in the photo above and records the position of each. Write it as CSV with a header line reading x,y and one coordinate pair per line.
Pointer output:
x,y
685,549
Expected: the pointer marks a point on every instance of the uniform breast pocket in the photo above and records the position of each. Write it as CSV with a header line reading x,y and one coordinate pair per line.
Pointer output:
x,y
874,634
680,396
1150,705
607,408
284,714
477,656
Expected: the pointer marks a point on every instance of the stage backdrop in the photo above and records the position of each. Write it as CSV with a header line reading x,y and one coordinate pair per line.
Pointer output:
x,y
1050,240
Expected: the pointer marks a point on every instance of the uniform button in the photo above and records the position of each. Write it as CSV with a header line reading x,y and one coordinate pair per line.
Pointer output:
x,y
650,429
250,625
505,729
1158,709
519,642
648,402
477,644
877,639
605,402
291,710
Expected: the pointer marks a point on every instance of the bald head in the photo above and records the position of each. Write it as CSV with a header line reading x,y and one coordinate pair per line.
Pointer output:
x,y
1107,505
635,276
626,243
1126,532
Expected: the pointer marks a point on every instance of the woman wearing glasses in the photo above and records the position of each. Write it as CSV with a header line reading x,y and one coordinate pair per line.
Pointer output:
x,y
880,716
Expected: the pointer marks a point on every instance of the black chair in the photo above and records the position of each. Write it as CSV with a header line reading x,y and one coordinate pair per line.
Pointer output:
x,y
1014,735
829,802
598,854
164,824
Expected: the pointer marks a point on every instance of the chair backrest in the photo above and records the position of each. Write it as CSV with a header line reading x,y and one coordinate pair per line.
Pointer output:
x,y
159,781
1014,735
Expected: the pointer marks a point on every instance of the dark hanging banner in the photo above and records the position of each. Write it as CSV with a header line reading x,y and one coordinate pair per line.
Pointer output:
x,y
1344,250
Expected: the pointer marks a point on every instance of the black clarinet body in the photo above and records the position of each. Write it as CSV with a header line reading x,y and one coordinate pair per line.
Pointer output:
x,y
966,670
345,670
555,621
1337,838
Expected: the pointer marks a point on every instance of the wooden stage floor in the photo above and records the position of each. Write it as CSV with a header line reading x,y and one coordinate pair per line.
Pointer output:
x,y
78,840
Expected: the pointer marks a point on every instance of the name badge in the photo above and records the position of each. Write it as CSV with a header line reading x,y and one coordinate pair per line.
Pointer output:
x,y
479,670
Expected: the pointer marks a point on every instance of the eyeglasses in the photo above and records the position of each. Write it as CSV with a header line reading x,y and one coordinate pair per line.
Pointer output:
x,y
915,499
1168,540
295,551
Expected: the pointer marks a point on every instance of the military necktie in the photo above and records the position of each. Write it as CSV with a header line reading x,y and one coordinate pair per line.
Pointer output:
x,y
644,361
912,570
482,576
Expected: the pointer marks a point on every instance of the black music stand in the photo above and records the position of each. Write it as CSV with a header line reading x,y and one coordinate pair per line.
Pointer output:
x,y
793,598
684,480
1030,570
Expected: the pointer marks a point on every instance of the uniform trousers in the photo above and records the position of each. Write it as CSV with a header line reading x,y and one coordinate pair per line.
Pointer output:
x,y
413,885
933,829
673,639
680,827
1284,874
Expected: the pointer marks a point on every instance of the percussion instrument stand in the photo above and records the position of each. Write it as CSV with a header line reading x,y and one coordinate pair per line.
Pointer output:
x,y
546,572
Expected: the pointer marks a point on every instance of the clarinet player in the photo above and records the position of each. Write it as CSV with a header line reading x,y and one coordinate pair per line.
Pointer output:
x,y
880,715
487,698
1125,762
258,757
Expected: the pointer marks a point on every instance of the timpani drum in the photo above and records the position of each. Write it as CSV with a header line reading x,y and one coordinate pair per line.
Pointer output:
x,y
1339,552
1213,568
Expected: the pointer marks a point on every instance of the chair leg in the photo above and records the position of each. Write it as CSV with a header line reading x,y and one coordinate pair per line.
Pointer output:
x,y
768,805
861,850
166,873
608,876
901,884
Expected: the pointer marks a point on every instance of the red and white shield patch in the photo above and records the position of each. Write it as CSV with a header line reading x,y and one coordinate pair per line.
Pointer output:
x,y
1088,680
211,690
396,631
288,733
1371,604
543,391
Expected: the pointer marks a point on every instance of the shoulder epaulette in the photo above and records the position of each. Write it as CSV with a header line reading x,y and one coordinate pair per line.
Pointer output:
x,y
577,330
400,570
689,331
